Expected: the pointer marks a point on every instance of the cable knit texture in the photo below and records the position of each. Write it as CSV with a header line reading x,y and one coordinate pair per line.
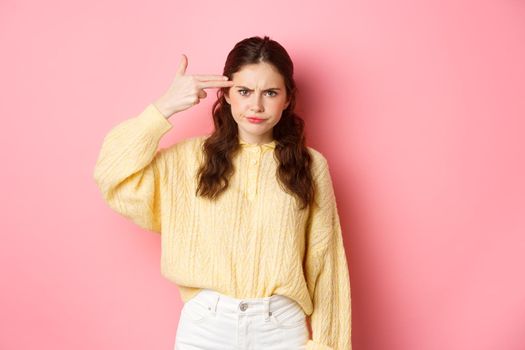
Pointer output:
x,y
252,242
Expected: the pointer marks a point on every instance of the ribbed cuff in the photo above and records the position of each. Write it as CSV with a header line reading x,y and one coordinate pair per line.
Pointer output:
x,y
155,120
312,345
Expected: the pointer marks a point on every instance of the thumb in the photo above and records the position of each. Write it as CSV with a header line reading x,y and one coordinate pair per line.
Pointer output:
x,y
182,65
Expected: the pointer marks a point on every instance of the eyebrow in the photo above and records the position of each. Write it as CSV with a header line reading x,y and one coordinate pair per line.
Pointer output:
x,y
244,87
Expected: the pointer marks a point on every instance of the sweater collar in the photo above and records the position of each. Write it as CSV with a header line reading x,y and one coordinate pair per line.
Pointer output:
x,y
270,144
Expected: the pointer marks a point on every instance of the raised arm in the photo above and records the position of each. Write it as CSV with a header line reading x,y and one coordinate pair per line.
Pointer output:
x,y
130,171
130,168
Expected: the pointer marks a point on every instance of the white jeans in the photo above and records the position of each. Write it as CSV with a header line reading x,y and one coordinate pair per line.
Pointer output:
x,y
214,321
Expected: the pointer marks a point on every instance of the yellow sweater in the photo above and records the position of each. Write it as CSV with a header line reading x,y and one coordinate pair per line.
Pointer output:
x,y
251,243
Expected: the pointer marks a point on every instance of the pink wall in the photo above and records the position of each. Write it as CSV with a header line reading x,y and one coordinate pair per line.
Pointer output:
x,y
419,107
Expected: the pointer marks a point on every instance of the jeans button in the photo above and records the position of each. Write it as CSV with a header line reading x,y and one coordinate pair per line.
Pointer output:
x,y
243,306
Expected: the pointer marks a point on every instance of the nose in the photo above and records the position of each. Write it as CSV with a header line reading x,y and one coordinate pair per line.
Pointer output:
x,y
256,103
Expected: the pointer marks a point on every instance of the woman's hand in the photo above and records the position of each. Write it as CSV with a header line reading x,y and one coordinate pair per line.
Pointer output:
x,y
187,90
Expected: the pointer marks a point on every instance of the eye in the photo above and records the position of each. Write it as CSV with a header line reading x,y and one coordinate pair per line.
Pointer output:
x,y
270,92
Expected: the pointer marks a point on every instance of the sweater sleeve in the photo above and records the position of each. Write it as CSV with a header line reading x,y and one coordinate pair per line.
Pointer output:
x,y
327,272
130,169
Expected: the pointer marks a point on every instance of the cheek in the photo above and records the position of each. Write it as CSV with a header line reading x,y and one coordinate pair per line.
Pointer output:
x,y
277,105
237,104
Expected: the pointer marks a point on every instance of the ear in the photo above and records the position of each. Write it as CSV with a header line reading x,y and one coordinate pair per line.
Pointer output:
x,y
227,97
286,104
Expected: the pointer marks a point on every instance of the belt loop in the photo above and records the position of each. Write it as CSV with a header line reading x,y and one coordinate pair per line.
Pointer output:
x,y
267,312
215,301
211,302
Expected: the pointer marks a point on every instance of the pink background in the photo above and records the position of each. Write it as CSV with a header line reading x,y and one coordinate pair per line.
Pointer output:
x,y
418,105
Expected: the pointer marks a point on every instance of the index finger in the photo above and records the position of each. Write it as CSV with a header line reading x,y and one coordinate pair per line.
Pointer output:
x,y
209,76
214,83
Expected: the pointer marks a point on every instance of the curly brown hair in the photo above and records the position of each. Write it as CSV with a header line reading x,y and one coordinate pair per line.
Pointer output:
x,y
294,170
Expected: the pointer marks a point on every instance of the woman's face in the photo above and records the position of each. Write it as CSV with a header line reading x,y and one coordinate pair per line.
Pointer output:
x,y
258,91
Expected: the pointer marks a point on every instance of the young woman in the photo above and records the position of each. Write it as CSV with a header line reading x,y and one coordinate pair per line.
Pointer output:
x,y
249,226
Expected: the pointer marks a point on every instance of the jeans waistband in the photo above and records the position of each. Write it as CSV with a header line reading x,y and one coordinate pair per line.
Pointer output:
x,y
216,301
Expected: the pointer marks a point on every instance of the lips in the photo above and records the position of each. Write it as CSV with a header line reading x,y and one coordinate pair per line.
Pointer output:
x,y
255,120
252,117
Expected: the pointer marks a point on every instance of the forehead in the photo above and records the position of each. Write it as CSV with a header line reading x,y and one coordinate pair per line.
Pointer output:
x,y
259,74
